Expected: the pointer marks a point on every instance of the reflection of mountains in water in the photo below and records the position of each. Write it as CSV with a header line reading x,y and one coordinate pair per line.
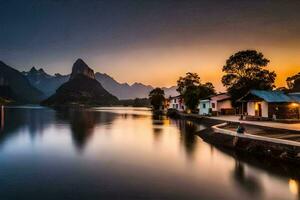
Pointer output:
x,y
36,120
83,122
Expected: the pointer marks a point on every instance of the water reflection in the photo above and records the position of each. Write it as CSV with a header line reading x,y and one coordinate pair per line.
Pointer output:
x,y
83,122
187,136
157,122
2,118
130,154
294,187
247,182
14,120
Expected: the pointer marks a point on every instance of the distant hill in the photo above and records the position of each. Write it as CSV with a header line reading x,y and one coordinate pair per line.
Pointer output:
x,y
82,88
48,84
16,87
45,82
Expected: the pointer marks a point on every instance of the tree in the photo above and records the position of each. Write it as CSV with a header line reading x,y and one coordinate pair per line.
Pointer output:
x,y
157,98
293,83
190,79
245,71
192,90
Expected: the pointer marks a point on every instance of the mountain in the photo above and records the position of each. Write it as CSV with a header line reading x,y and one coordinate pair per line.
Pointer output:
x,y
45,82
123,90
16,87
48,84
82,88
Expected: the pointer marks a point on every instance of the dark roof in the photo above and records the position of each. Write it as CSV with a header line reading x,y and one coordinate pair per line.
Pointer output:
x,y
218,97
268,96
175,97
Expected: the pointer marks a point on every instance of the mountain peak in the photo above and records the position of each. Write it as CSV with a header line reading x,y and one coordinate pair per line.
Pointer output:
x,y
33,69
41,70
81,68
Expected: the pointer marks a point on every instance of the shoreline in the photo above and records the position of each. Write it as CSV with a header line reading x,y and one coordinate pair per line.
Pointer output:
x,y
254,145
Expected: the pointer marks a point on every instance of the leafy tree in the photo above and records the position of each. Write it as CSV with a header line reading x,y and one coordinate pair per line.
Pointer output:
x,y
157,98
245,71
293,83
190,79
192,90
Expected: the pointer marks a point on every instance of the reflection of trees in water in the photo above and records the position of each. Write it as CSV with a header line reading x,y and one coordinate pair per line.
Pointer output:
x,y
33,119
83,122
187,135
157,122
248,183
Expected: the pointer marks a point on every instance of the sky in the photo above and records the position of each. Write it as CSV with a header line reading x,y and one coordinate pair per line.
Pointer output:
x,y
153,42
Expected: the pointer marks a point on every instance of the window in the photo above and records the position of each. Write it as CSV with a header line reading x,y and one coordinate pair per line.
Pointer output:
x,y
204,105
213,105
174,100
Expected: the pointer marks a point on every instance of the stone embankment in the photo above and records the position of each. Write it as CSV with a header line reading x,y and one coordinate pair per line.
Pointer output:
x,y
251,144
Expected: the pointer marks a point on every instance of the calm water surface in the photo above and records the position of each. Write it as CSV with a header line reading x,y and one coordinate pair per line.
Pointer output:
x,y
125,153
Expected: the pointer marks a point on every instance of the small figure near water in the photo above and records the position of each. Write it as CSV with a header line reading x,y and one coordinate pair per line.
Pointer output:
x,y
240,129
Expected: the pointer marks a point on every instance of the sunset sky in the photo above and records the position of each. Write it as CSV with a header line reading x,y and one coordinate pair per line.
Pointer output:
x,y
153,42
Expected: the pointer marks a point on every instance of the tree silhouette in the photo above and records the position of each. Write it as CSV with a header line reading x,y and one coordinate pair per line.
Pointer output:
x,y
192,90
245,71
157,97
293,83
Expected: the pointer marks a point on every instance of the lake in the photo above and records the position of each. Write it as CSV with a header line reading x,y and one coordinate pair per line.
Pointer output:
x,y
126,153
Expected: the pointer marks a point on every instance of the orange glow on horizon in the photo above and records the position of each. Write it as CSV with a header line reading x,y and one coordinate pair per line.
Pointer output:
x,y
162,66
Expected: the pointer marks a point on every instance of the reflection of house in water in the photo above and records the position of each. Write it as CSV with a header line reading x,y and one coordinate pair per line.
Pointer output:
x,y
294,187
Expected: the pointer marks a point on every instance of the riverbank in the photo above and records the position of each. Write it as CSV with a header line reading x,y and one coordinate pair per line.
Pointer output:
x,y
220,133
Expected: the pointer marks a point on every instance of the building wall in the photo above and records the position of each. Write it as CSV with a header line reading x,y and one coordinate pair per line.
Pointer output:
x,y
177,104
264,107
251,108
224,105
204,107
283,111
215,108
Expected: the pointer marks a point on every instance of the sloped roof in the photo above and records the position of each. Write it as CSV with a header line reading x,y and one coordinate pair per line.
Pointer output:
x,y
175,97
295,96
268,96
217,97
220,97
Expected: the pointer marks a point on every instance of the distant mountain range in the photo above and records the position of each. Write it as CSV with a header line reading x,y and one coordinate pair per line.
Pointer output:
x,y
82,88
49,83
35,85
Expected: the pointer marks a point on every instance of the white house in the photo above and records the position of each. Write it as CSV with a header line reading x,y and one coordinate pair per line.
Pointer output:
x,y
204,107
216,105
271,105
177,103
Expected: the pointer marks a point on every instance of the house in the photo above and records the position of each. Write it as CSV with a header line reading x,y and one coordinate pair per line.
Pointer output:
x,y
204,107
177,103
219,104
276,105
